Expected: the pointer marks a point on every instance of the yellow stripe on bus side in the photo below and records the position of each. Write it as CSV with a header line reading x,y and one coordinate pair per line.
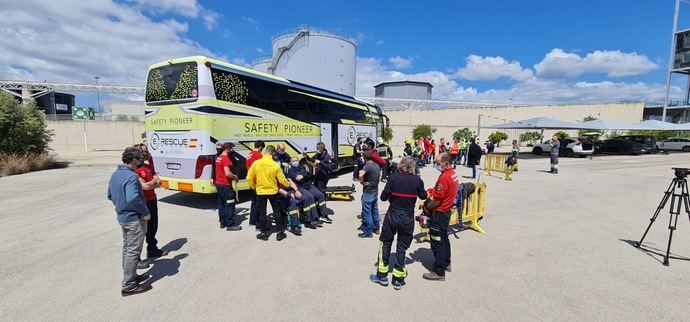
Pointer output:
x,y
330,100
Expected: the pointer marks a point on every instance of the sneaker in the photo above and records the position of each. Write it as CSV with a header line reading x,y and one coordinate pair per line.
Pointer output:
x,y
310,225
326,220
280,236
222,226
377,231
296,231
363,235
398,284
432,276
143,265
262,236
318,223
448,268
156,253
137,290
234,228
382,280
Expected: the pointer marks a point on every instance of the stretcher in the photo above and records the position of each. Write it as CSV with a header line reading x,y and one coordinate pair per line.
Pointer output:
x,y
340,192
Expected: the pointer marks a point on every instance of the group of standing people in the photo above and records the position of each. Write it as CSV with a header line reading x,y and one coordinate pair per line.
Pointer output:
x,y
460,151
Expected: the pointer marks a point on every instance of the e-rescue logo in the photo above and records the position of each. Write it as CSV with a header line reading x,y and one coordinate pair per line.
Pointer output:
x,y
353,134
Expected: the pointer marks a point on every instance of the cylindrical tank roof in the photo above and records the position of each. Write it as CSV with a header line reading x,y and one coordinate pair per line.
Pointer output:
x,y
314,31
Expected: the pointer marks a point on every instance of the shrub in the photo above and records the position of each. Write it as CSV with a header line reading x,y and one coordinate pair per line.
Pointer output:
x,y
464,133
15,163
498,136
22,127
530,137
659,135
388,134
422,131
561,135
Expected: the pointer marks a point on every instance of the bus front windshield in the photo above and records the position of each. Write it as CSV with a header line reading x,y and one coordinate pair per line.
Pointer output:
x,y
173,82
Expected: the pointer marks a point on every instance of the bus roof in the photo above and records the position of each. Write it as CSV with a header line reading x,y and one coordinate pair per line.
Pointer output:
x,y
204,59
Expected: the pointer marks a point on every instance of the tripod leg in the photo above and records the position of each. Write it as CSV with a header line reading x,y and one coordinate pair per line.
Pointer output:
x,y
677,203
661,206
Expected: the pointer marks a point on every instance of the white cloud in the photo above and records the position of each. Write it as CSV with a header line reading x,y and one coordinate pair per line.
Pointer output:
x,y
210,19
259,50
399,62
614,63
240,61
373,71
74,40
492,68
186,8
253,22
379,42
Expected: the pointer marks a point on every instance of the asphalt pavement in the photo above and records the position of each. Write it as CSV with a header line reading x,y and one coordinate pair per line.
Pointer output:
x,y
558,247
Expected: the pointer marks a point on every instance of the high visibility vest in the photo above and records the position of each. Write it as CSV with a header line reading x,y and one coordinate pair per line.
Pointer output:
x,y
463,146
383,151
454,149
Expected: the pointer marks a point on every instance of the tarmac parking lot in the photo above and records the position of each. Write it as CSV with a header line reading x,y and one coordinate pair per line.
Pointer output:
x,y
558,247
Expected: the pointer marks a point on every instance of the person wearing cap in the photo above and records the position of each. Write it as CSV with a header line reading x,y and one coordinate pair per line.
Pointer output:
x,y
384,151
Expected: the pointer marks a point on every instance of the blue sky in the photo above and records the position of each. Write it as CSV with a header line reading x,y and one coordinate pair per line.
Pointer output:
x,y
526,51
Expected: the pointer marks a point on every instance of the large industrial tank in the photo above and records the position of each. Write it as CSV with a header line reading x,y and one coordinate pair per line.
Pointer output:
x,y
261,64
315,57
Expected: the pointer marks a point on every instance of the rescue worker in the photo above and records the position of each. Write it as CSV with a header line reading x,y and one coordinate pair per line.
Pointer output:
x,y
555,147
425,146
408,148
384,151
264,177
292,202
254,155
443,196
464,147
432,151
357,158
401,190
454,151
282,157
417,154
314,201
226,194
149,182
324,165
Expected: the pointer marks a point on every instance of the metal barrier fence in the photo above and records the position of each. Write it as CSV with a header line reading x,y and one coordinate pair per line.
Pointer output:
x,y
497,163
473,210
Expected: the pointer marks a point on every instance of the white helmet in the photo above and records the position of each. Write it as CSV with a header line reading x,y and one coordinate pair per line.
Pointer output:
x,y
379,140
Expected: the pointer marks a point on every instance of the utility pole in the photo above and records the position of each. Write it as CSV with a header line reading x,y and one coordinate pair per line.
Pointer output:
x,y
98,94
479,124
670,61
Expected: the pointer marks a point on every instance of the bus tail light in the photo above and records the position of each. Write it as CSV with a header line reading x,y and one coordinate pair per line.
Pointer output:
x,y
201,162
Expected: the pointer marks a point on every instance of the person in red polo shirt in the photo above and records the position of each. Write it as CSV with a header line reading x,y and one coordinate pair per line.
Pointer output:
x,y
254,155
149,182
443,197
226,194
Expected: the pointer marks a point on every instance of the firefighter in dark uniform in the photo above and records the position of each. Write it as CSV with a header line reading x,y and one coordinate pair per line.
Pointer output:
x,y
443,196
386,154
402,190
314,201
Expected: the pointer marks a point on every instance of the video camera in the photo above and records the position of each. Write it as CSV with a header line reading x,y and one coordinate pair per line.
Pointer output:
x,y
681,172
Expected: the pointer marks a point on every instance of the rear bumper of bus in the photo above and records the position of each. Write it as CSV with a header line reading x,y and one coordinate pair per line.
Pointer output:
x,y
203,186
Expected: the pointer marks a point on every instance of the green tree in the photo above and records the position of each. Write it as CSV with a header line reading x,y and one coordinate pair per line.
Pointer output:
x,y
388,134
498,136
464,133
422,131
530,137
561,135
22,127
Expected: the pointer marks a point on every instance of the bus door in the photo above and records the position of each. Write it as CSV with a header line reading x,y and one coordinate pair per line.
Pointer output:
x,y
329,138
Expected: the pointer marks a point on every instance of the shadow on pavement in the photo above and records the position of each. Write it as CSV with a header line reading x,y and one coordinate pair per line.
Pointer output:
x,y
201,201
164,266
651,251
425,256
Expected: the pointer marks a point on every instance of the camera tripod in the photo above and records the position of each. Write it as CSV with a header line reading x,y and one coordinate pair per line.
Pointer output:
x,y
679,200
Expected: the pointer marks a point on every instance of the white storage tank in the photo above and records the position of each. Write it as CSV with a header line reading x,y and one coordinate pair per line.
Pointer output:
x,y
261,64
315,57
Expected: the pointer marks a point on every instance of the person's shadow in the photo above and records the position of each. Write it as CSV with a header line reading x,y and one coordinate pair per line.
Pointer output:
x,y
164,266
425,256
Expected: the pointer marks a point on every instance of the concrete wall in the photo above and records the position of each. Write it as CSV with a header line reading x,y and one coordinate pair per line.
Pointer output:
x,y
447,121
101,135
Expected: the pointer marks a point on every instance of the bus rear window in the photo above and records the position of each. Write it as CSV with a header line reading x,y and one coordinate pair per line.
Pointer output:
x,y
172,82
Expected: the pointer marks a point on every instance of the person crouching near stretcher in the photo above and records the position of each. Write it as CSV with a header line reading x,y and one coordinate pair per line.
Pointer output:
x,y
313,201
402,190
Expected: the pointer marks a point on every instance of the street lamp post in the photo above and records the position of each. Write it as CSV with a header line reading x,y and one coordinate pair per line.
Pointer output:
x,y
98,94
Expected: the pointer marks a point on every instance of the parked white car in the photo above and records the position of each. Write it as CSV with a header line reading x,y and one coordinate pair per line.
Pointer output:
x,y
679,144
574,147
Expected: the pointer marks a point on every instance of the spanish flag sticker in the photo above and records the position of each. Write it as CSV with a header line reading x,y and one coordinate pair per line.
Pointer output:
x,y
192,143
